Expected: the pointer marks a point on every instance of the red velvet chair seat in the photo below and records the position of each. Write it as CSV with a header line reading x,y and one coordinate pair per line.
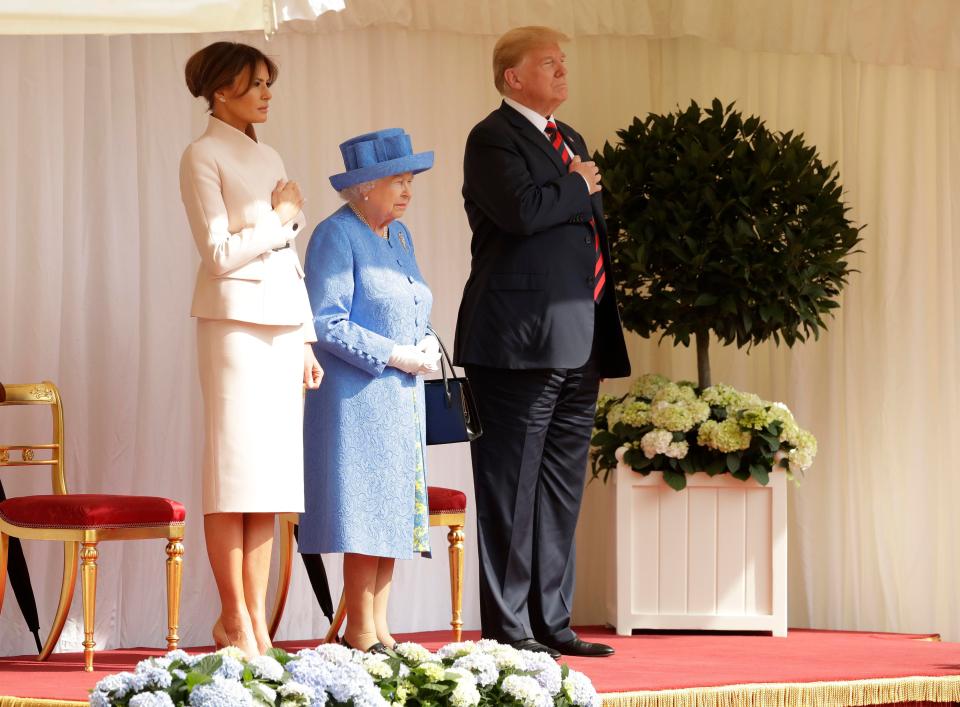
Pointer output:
x,y
92,510
443,500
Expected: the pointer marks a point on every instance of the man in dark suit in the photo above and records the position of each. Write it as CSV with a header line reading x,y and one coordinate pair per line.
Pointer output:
x,y
537,330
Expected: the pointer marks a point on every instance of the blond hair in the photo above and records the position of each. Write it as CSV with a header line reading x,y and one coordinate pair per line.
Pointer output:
x,y
514,45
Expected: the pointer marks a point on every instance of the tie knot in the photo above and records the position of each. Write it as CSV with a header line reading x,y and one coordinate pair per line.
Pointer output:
x,y
551,128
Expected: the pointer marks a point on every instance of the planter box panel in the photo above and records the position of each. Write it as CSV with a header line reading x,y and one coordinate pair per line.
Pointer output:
x,y
711,557
731,556
702,542
759,546
673,551
644,523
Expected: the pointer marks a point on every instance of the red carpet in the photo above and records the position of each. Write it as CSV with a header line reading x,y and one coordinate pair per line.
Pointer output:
x,y
643,663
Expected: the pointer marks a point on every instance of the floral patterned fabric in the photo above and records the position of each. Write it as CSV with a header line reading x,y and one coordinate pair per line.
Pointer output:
x,y
364,466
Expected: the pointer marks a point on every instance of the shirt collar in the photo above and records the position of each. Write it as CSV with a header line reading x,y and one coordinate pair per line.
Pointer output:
x,y
539,122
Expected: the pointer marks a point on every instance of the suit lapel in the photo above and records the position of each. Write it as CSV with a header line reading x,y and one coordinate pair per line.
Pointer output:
x,y
534,136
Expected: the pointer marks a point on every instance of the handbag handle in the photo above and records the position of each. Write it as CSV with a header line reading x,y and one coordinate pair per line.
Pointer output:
x,y
445,362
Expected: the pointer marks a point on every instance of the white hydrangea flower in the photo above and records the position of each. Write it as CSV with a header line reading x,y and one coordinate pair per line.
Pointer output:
x,y
433,671
414,653
266,667
452,651
648,385
677,450
480,664
655,442
295,694
465,694
233,652
526,690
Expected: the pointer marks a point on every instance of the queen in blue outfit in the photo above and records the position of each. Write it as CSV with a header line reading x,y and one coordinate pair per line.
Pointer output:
x,y
364,468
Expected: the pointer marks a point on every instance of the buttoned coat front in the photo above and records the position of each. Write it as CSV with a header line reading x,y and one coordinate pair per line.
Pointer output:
x,y
364,426
226,179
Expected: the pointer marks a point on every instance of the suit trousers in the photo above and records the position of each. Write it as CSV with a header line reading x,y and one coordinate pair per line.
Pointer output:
x,y
529,468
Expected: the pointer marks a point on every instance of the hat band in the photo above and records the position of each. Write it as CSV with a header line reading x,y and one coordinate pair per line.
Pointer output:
x,y
370,152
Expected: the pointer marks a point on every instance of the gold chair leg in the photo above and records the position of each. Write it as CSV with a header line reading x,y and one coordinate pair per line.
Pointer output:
x,y
455,538
174,577
88,580
338,617
70,561
283,582
4,549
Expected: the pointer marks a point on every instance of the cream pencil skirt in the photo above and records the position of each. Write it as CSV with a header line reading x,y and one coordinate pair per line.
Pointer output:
x,y
251,376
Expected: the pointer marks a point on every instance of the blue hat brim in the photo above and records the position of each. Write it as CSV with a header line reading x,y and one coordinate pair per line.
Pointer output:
x,y
419,162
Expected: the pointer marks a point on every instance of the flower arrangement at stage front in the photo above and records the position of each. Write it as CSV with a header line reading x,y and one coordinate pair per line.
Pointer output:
x,y
467,674
676,429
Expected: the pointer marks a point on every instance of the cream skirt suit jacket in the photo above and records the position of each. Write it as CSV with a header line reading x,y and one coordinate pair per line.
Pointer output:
x,y
253,318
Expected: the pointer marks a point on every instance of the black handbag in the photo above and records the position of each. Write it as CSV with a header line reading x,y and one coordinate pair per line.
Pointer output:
x,y
451,411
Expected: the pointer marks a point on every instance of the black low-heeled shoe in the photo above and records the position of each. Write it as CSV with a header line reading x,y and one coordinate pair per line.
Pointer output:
x,y
375,648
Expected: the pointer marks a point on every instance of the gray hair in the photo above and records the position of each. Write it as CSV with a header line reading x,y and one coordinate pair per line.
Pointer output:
x,y
356,192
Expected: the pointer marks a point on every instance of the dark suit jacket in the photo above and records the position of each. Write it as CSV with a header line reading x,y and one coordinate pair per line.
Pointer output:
x,y
529,300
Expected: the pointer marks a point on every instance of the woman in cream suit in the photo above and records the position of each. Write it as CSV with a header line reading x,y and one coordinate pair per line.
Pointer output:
x,y
254,329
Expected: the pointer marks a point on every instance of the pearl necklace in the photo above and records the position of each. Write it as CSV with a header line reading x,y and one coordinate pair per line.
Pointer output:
x,y
385,235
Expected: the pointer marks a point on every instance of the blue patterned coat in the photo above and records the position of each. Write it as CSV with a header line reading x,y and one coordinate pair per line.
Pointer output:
x,y
362,425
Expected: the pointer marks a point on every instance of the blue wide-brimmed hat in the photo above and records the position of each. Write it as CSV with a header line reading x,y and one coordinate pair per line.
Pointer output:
x,y
379,154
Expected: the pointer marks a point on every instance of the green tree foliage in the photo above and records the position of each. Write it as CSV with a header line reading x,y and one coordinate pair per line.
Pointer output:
x,y
719,225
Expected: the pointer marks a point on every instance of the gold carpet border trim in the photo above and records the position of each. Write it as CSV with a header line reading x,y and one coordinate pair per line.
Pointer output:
x,y
38,702
852,693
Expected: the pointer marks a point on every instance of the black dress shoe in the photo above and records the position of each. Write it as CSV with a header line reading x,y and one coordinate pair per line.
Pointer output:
x,y
530,644
580,648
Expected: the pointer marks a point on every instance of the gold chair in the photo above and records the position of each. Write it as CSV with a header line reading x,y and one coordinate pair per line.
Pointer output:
x,y
448,507
81,521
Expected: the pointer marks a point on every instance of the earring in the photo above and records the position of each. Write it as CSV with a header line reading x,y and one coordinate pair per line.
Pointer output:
x,y
366,198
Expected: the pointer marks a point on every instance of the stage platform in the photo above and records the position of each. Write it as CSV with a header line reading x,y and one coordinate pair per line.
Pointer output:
x,y
649,670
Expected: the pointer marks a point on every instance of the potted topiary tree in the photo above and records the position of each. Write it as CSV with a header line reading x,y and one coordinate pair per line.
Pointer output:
x,y
719,227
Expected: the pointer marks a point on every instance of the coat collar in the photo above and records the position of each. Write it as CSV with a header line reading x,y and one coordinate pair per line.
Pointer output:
x,y
222,130
527,129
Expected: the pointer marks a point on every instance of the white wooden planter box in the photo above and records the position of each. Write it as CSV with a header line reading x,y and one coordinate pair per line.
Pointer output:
x,y
710,557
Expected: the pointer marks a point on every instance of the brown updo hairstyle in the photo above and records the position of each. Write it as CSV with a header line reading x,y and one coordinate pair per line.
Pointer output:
x,y
219,64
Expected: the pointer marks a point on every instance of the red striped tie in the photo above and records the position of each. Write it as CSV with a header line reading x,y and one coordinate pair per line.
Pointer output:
x,y
599,275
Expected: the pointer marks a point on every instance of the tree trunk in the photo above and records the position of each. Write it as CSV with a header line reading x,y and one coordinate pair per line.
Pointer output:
x,y
703,358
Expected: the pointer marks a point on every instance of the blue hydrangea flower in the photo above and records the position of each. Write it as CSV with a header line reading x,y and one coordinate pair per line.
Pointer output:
x,y
221,693
545,670
99,699
580,691
230,669
151,699
119,685
178,655
152,676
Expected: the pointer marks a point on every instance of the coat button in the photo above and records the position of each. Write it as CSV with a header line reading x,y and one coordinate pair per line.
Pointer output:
x,y
296,226
587,240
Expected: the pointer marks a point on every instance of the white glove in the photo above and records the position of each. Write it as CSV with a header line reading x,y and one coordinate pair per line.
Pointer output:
x,y
429,346
412,360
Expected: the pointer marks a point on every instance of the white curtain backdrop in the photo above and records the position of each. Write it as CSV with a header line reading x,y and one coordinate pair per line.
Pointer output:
x,y
97,269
